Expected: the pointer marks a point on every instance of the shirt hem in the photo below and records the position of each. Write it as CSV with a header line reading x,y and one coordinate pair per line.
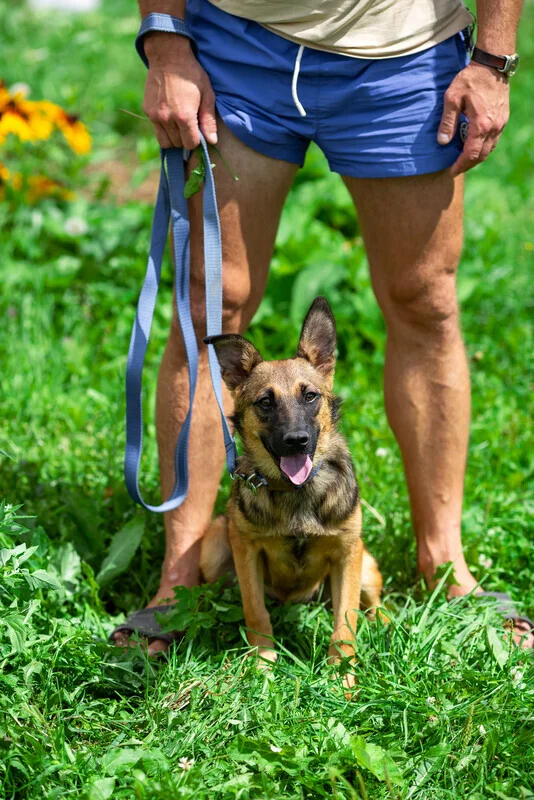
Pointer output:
x,y
463,19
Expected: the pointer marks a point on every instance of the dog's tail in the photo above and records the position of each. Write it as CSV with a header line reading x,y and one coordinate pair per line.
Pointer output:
x,y
216,557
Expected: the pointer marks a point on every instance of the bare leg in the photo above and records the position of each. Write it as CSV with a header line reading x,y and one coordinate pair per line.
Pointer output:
x,y
412,229
250,210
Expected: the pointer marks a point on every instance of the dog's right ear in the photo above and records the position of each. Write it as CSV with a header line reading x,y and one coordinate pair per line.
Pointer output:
x,y
237,357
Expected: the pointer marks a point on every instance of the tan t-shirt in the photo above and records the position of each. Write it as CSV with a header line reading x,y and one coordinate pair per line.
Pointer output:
x,y
357,28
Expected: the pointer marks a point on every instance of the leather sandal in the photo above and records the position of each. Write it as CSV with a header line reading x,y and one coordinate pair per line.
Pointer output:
x,y
144,623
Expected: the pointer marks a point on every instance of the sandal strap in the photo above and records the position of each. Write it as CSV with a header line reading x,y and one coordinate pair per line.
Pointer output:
x,y
144,623
505,605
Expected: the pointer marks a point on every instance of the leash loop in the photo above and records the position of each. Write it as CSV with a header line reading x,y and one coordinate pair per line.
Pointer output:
x,y
171,208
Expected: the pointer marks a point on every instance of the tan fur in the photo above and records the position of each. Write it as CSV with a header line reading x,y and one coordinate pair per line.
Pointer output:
x,y
287,543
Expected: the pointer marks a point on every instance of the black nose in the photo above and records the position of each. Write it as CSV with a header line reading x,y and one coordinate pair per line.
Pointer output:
x,y
296,439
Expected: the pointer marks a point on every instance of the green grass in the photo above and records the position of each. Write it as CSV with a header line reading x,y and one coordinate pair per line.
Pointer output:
x,y
79,718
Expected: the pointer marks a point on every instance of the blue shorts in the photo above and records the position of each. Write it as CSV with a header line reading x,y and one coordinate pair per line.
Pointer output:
x,y
372,118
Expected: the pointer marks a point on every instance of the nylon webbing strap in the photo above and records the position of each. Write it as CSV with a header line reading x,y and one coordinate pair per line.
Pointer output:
x,y
171,206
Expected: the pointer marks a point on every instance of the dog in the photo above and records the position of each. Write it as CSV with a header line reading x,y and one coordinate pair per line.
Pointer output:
x,y
294,515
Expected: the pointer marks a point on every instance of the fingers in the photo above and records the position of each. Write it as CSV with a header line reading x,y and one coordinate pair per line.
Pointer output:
x,y
206,116
176,129
175,121
161,136
481,141
187,123
449,119
484,98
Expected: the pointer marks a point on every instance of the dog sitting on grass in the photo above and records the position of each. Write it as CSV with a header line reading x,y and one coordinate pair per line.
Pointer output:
x,y
294,516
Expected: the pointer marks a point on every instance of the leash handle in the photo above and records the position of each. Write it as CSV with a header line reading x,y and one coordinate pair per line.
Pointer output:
x,y
171,206
165,23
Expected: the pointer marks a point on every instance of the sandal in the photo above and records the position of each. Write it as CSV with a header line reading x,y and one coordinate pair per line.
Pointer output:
x,y
504,605
144,623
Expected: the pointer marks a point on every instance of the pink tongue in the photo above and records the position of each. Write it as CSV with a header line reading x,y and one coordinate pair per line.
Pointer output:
x,y
297,468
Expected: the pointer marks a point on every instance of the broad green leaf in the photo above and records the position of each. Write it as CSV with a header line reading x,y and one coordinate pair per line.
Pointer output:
x,y
259,753
121,550
16,631
121,757
432,759
376,760
69,565
126,757
42,579
102,789
497,645
28,552
338,731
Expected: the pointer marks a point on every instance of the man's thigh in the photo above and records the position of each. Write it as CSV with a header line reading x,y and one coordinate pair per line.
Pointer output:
x,y
412,229
249,211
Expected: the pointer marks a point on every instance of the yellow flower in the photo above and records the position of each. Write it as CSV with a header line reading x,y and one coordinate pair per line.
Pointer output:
x,y
50,110
76,134
4,97
38,119
30,120
13,122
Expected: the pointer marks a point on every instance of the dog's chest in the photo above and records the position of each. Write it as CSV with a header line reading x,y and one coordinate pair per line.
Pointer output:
x,y
298,554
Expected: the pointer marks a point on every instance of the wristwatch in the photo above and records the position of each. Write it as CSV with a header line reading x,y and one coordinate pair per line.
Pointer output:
x,y
506,65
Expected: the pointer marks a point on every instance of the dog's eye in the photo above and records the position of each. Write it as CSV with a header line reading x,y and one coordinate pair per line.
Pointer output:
x,y
311,396
265,402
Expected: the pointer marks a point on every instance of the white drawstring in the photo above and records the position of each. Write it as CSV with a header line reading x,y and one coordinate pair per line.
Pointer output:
x,y
300,107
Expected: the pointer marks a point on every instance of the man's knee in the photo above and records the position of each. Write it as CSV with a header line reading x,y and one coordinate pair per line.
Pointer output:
x,y
423,306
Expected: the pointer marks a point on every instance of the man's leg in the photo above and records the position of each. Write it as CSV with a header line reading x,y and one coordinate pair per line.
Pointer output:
x,y
249,212
412,228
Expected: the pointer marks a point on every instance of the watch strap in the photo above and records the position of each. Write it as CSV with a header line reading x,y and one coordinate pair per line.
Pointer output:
x,y
489,60
165,23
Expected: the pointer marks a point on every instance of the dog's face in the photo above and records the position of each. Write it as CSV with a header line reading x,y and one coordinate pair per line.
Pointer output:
x,y
284,410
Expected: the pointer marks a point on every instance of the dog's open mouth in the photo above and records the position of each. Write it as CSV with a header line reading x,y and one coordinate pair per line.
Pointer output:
x,y
297,468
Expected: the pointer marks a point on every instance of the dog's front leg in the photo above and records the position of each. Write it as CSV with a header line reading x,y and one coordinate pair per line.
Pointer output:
x,y
249,568
346,579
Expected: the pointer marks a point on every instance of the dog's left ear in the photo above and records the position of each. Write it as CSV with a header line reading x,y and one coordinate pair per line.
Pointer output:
x,y
237,357
317,341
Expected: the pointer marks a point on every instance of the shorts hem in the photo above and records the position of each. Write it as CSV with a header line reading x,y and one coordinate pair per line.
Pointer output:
x,y
398,169
277,151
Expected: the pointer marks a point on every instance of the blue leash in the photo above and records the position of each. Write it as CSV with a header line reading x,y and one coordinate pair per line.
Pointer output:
x,y
171,206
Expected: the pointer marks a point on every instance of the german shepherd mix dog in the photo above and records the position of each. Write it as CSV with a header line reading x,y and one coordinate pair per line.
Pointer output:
x,y
294,517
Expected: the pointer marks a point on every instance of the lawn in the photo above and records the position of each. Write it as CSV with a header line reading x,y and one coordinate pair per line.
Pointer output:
x,y
445,707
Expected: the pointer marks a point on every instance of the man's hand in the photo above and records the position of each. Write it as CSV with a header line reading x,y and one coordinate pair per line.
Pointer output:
x,y
178,95
484,97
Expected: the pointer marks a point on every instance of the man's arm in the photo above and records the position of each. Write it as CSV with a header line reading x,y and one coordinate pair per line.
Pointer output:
x,y
178,94
482,93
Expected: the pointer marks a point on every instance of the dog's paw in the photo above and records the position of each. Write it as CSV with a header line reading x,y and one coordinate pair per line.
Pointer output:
x,y
349,685
266,658
343,668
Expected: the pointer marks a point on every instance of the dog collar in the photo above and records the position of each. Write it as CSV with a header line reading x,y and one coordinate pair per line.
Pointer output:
x,y
256,480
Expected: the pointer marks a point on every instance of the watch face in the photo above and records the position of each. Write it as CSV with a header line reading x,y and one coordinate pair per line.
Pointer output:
x,y
514,63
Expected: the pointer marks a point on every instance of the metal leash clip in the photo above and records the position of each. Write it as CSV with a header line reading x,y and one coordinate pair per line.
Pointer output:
x,y
253,481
